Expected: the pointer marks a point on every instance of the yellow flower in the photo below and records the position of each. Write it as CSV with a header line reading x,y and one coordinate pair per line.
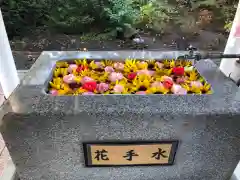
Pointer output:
x,y
81,62
79,91
141,65
62,64
186,63
141,81
192,89
123,84
60,71
101,77
206,89
172,64
157,90
151,63
78,79
193,75
56,83
166,63
130,65
65,89
107,62
86,72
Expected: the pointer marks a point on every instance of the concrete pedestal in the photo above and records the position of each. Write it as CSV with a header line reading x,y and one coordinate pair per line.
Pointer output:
x,y
44,134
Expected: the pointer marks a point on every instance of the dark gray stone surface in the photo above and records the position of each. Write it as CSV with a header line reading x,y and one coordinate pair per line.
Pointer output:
x,y
44,134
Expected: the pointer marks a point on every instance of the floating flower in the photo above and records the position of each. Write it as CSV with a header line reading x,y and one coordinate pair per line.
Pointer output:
x,y
168,83
62,64
54,92
118,88
99,64
107,63
81,68
164,78
109,69
181,80
118,66
178,71
157,84
131,75
102,87
130,65
90,86
145,72
70,78
96,65
142,65
141,92
206,89
114,76
86,79
196,84
80,62
72,67
177,89
159,65
88,93
141,83
60,72
193,76
188,68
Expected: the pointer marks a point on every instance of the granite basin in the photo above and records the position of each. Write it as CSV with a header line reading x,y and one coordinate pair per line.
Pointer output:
x,y
45,134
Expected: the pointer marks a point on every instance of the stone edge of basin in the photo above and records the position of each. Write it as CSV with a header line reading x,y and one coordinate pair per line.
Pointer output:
x,y
30,97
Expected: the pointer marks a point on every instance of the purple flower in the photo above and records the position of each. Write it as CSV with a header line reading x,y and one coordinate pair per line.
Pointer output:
x,y
109,69
118,66
102,87
88,93
86,79
177,89
70,78
141,92
72,67
114,76
118,88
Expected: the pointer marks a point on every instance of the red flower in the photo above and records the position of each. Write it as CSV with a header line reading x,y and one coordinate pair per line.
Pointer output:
x,y
81,68
178,71
132,75
167,83
90,86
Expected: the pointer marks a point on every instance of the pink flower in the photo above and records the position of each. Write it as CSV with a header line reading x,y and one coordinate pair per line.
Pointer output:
x,y
86,79
72,67
141,92
167,78
114,76
88,93
54,92
70,78
159,65
118,88
109,69
181,80
99,64
118,66
177,89
157,84
196,84
145,72
102,87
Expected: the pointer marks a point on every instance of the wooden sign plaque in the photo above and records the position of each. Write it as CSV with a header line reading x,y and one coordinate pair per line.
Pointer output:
x,y
129,153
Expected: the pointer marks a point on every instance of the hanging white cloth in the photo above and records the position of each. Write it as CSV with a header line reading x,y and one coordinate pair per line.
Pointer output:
x,y
8,73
